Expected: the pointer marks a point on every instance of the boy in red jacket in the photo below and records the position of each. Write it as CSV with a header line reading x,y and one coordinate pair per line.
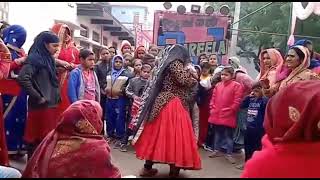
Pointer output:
x,y
224,105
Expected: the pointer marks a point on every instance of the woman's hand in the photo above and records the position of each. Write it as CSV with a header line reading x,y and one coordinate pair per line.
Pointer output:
x,y
20,61
3,47
42,101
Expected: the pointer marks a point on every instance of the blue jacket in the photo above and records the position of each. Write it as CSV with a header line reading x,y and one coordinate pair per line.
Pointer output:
x,y
76,85
256,110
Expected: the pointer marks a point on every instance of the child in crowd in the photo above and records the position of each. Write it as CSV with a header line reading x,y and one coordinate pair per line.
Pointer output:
x,y
125,47
113,51
149,59
203,58
116,105
137,65
213,62
128,62
139,52
224,105
83,82
101,70
153,49
204,95
134,91
256,104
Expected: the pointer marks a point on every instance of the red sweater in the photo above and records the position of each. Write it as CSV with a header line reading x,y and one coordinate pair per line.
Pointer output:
x,y
295,160
225,103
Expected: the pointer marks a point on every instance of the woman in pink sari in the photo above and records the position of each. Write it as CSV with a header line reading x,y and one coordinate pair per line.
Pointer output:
x,y
76,148
271,65
271,62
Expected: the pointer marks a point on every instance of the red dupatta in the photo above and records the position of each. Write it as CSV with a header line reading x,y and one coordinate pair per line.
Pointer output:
x,y
75,148
67,51
292,115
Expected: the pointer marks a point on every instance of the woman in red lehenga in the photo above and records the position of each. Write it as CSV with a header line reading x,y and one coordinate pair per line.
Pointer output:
x,y
168,136
69,53
76,148
5,60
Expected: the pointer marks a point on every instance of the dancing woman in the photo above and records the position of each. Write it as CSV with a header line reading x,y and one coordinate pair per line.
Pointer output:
x,y
167,135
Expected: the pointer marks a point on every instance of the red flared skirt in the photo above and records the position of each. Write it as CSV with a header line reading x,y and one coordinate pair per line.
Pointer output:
x,y
4,159
170,138
40,123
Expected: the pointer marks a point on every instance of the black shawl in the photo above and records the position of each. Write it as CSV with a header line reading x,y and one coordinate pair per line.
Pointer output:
x,y
40,57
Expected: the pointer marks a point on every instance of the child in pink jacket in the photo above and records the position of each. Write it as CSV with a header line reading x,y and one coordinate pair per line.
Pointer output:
x,y
224,105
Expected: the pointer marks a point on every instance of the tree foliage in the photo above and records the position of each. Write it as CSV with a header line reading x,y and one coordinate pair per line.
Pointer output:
x,y
274,19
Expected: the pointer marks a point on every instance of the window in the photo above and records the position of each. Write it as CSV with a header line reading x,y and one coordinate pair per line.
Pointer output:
x,y
84,32
105,41
5,16
95,36
84,45
96,50
114,44
123,12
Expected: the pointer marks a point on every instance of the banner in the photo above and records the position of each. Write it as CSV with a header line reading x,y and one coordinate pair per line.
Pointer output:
x,y
199,33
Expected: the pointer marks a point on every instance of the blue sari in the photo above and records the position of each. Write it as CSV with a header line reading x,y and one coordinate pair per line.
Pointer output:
x,y
15,107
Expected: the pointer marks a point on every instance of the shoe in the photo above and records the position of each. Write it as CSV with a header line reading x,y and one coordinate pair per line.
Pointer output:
x,y
109,139
240,166
117,144
207,148
230,159
123,148
148,173
174,172
215,154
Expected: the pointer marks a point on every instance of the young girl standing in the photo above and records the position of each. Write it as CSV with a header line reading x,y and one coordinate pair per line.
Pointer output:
x,y
224,105
117,101
137,65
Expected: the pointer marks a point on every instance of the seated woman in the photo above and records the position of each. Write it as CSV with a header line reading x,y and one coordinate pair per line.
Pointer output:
x,y
290,148
75,148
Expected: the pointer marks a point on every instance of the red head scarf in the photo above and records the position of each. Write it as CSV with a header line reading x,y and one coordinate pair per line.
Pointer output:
x,y
292,115
67,51
139,49
75,148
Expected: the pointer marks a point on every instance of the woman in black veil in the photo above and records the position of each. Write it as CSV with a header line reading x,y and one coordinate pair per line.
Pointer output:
x,y
164,132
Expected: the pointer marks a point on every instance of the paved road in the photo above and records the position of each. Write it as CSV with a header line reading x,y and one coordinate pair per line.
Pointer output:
x,y
130,165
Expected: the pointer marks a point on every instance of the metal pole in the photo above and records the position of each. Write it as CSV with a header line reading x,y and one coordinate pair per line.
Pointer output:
x,y
253,12
289,25
234,37
276,34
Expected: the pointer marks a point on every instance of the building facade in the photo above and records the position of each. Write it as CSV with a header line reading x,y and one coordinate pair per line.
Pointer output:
x,y
136,19
126,13
4,11
88,29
